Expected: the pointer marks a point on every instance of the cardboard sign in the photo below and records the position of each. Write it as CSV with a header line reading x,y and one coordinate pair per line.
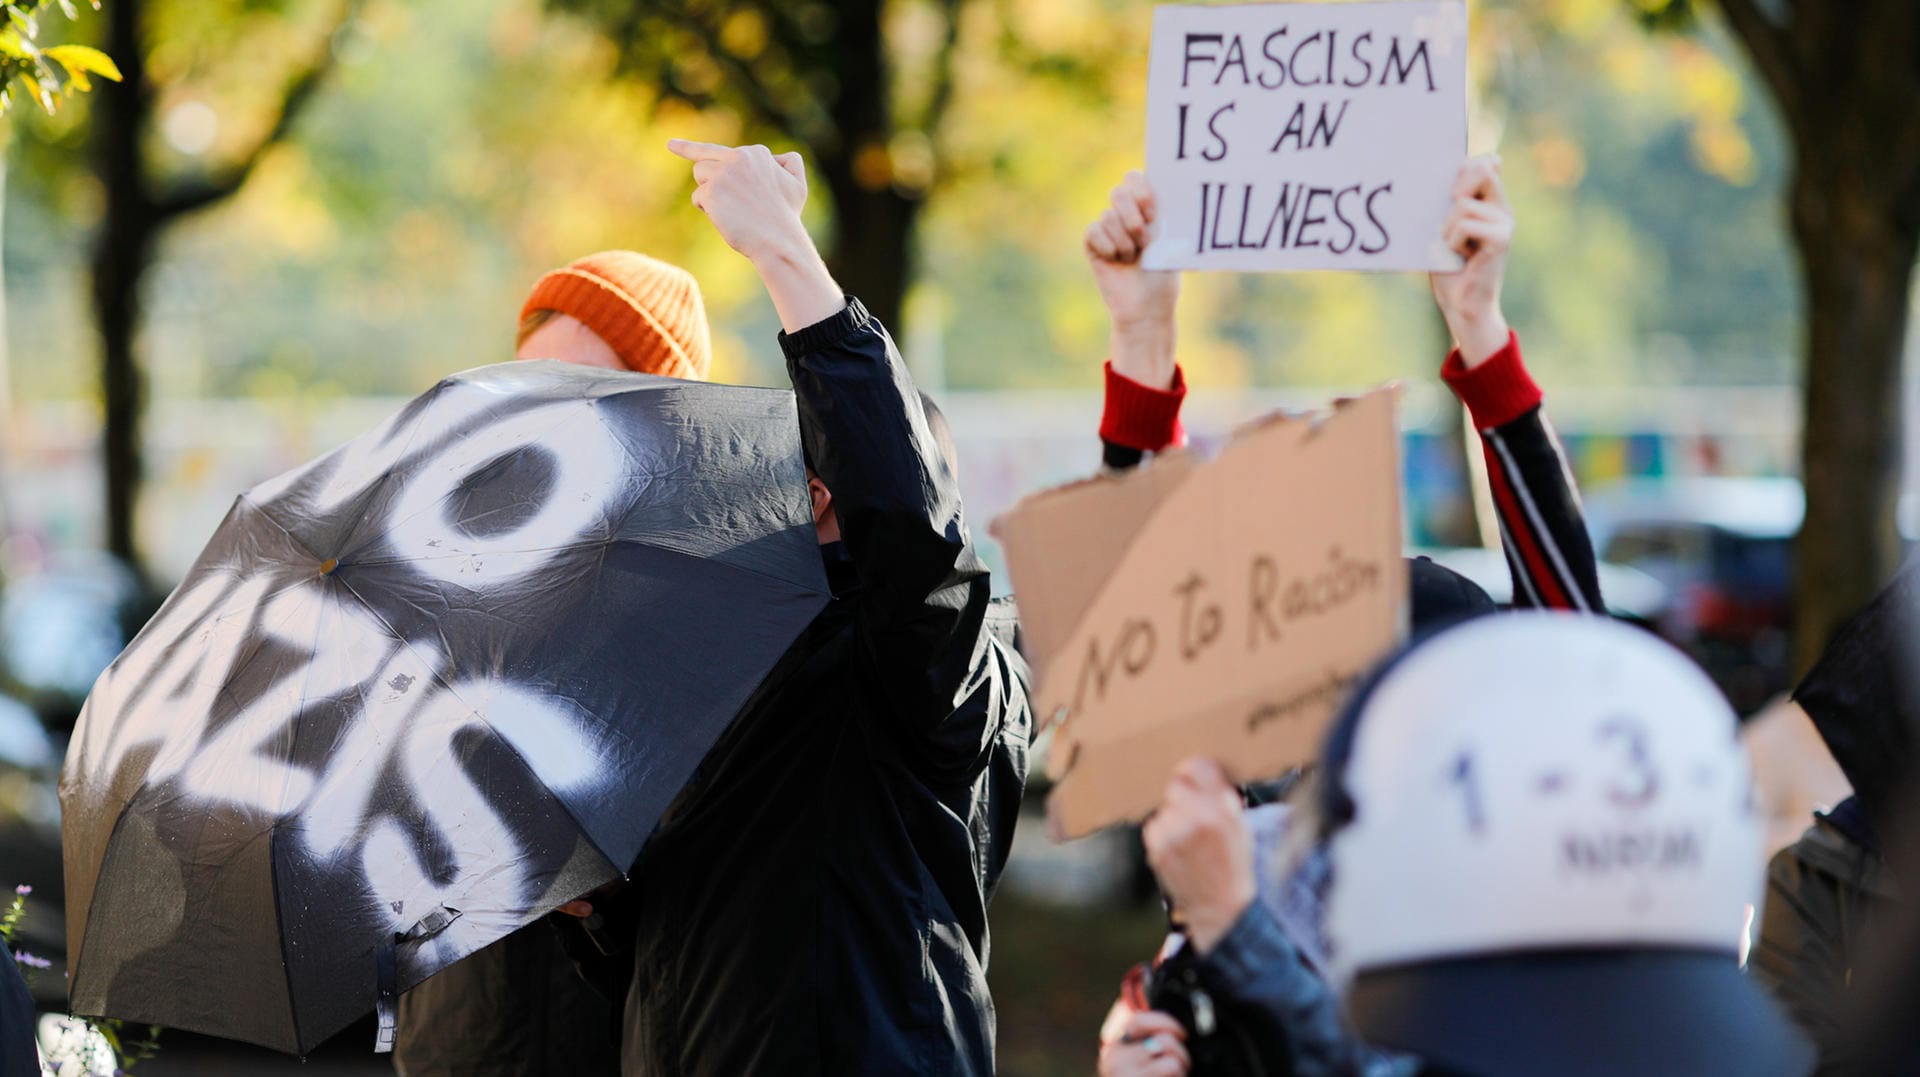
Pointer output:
x,y
1306,136
1209,607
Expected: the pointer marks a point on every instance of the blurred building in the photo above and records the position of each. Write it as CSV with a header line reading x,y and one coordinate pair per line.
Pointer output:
x,y
204,452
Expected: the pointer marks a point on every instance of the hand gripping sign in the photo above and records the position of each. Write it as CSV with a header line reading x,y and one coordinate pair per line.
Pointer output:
x,y
1208,607
1306,136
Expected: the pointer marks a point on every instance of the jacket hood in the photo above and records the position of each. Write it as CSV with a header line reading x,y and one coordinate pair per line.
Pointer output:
x,y
1864,697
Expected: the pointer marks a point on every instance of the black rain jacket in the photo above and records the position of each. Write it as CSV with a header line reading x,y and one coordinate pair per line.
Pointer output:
x,y
18,1056
816,900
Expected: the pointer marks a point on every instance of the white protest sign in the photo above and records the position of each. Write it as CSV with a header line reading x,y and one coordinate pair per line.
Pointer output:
x,y
1306,136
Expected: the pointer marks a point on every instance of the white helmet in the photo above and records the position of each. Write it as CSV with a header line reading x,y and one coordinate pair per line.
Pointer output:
x,y
1548,845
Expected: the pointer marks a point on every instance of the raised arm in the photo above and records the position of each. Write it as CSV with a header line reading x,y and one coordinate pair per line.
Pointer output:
x,y
1144,385
923,595
1541,523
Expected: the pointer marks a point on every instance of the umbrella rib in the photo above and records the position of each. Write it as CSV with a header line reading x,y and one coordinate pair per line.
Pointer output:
x,y
286,963
637,467
620,524
261,509
406,449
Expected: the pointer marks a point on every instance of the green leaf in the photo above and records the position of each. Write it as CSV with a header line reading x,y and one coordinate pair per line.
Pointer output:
x,y
81,61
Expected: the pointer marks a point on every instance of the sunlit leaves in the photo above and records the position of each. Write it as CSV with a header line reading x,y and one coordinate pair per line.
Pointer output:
x,y
1663,14
46,76
79,61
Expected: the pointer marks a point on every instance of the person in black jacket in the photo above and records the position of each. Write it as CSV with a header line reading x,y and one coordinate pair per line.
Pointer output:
x,y
1836,898
815,902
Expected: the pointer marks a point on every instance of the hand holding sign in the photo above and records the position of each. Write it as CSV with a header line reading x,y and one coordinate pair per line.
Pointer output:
x,y
1201,850
1306,136
1479,228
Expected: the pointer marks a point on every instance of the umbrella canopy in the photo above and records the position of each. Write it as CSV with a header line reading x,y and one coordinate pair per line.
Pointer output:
x,y
421,691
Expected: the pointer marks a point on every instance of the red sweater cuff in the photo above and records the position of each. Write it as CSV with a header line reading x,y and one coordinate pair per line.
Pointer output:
x,y
1140,416
1497,391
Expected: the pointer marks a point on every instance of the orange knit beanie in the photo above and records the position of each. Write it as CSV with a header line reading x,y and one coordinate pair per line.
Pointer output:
x,y
648,312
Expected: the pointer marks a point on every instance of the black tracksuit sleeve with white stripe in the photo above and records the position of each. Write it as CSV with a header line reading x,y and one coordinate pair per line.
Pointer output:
x,y
1541,524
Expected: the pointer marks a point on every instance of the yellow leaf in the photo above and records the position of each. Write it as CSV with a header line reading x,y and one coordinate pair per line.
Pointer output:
x,y
39,94
81,61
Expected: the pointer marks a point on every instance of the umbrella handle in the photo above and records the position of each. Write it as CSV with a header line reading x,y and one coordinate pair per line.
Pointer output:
x,y
386,972
386,963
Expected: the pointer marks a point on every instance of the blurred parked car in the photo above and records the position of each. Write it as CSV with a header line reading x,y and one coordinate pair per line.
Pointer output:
x,y
30,839
61,625
1724,548
1631,594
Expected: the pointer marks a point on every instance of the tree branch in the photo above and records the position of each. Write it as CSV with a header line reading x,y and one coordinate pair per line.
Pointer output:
x,y
1767,43
941,96
758,95
784,26
188,196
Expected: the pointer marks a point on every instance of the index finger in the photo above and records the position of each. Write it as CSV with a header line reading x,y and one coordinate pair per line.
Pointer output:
x,y
1202,772
1142,189
697,151
1494,191
1475,175
1153,1023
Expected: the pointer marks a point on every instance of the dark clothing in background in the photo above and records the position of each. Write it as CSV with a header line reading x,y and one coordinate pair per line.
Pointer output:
x,y
1864,699
1828,894
816,901
513,1009
18,1056
1833,903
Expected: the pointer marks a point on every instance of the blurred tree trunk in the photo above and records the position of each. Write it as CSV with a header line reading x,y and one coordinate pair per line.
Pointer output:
x,y
874,222
1857,253
122,251
139,207
873,241
9,421
822,78
1846,78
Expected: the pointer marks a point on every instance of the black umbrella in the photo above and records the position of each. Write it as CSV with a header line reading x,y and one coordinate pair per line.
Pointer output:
x,y
419,692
